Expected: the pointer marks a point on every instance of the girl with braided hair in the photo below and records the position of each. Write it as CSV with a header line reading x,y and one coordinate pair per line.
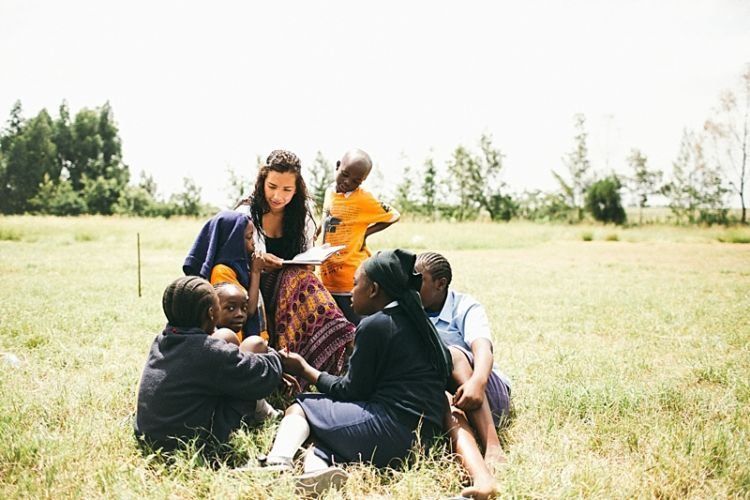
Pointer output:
x,y
392,394
194,385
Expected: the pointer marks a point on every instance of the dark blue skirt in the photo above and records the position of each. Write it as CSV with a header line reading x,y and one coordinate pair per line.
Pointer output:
x,y
346,431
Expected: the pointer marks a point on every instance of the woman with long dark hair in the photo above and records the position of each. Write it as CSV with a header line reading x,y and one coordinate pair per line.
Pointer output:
x,y
299,312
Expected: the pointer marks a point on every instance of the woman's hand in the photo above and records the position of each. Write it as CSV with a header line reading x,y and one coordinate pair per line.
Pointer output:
x,y
269,262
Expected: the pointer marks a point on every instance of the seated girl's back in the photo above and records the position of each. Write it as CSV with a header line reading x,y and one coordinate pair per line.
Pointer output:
x,y
194,385
389,366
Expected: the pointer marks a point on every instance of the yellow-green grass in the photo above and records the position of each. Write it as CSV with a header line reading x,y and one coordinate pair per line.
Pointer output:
x,y
629,360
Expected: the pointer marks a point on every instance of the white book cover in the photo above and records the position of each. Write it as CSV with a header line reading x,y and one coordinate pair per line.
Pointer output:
x,y
315,256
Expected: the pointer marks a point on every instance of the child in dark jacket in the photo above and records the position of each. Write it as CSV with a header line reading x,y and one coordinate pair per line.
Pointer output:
x,y
195,385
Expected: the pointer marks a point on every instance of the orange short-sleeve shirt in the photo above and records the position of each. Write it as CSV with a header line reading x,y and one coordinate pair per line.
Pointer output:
x,y
346,217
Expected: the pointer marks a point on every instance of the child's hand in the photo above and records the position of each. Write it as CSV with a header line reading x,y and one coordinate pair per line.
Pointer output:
x,y
469,396
292,362
291,386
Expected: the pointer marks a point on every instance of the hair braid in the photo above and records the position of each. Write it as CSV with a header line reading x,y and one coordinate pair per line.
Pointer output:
x,y
186,301
435,264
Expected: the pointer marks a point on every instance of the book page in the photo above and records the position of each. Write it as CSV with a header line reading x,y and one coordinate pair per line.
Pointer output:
x,y
315,255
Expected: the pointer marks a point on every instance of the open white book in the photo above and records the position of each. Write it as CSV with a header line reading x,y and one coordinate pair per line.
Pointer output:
x,y
315,256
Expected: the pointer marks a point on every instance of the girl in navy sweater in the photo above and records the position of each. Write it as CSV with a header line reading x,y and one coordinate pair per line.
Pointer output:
x,y
195,385
391,395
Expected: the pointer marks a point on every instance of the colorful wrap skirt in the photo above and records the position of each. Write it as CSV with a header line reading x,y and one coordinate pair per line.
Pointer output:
x,y
302,316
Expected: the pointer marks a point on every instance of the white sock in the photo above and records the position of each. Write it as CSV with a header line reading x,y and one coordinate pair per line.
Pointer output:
x,y
293,430
263,410
313,462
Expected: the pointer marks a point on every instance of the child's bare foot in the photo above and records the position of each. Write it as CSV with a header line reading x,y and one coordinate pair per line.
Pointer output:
x,y
482,489
494,457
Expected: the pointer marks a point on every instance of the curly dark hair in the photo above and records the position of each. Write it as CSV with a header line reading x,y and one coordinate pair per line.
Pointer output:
x,y
295,213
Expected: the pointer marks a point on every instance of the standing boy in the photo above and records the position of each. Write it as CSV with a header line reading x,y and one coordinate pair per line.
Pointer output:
x,y
350,215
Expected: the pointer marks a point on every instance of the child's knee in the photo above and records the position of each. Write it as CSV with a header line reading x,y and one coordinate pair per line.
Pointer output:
x,y
226,335
294,409
254,344
458,357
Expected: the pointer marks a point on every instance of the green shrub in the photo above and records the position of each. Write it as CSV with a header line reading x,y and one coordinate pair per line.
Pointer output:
x,y
603,201
612,237
587,236
9,235
734,237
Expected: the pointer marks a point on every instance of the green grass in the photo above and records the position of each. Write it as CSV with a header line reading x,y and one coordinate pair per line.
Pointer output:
x,y
629,358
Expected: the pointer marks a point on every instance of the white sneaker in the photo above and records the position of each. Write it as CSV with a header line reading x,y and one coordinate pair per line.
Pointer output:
x,y
317,482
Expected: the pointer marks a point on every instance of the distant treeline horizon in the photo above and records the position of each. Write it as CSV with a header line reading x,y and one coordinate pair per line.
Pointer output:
x,y
68,165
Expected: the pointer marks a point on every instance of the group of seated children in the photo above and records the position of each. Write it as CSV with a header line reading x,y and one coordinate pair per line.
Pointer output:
x,y
415,340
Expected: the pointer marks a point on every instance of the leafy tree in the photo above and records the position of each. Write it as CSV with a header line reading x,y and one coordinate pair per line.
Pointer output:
x,y
578,166
540,206
475,181
148,184
96,149
486,183
429,187
321,178
460,170
603,200
64,140
644,182
695,190
188,202
30,154
238,187
729,129
405,197
57,198
101,194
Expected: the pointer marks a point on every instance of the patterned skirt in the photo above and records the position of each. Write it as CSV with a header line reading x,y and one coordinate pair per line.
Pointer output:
x,y
302,316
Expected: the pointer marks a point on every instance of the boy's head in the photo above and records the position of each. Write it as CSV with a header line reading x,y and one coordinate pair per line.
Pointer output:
x,y
352,170
191,302
232,311
436,277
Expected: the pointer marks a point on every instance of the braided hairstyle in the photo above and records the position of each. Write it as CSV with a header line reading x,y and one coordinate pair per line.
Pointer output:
x,y
295,213
186,301
435,264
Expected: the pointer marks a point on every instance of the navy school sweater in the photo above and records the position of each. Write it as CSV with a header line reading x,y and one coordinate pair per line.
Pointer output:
x,y
196,385
390,365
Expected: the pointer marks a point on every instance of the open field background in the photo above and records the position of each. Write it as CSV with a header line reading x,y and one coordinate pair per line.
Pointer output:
x,y
630,357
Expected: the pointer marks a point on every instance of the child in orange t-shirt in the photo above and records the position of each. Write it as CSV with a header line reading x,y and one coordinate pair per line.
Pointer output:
x,y
350,215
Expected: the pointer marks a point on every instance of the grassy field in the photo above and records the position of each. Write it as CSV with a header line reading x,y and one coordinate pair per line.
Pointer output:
x,y
630,357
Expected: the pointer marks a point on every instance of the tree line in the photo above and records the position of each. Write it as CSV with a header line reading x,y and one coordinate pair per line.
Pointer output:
x,y
72,166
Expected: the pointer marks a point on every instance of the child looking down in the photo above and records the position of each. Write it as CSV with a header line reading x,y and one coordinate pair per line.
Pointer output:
x,y
350,215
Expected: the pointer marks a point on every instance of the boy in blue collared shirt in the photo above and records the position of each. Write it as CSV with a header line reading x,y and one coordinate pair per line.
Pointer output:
x,y
481,394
